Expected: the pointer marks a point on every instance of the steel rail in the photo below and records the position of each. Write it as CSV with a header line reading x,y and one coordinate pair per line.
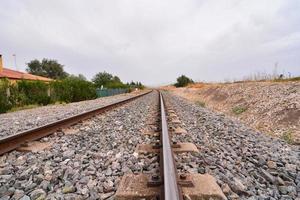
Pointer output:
x,y
12,142
171,188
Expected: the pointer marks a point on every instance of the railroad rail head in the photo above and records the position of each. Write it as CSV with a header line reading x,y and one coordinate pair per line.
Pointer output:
x,y
12,142
168,184
171,189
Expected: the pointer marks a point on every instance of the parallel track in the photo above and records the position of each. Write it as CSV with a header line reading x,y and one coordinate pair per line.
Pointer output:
x,y
12,142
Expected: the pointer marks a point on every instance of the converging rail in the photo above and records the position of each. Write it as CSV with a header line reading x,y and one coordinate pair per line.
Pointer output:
x,y
171,188
167,184
12,142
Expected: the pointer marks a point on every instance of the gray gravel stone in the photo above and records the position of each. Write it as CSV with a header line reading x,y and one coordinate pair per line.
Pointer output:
x,y
18,194
25,197
267,176
291,168
5,197
37,194
237,155
27,119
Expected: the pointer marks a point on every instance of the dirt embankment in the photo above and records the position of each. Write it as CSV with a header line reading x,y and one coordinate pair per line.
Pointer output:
x,y
270,107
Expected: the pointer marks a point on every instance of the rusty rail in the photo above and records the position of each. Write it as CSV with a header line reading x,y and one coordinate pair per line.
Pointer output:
x,y
12,142
169,172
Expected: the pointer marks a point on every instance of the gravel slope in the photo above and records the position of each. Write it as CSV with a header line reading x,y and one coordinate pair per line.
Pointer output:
x,y
270,107
247,164
12,123
86,164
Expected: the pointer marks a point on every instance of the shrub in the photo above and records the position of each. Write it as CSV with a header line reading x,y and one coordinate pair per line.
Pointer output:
x,y
72,89
5,104
238,110
60,91
200,103
133,85
116,85
288,137
25,94
183,81
17,98
287,79
36,92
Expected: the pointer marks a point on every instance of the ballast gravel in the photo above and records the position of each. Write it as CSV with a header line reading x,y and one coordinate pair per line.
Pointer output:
x,y
84,162
88,160
246,164
12,123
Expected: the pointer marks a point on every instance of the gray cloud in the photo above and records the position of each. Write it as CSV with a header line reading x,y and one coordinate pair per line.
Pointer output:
x,y
154,41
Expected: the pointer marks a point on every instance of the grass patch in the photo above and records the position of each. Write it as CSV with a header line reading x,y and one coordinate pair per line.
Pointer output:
x,y
239,110
288,137
26,107
60,103
200,103
23,107
287,79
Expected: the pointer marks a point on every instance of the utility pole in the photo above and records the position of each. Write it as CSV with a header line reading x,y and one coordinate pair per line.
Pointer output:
x,y
15,60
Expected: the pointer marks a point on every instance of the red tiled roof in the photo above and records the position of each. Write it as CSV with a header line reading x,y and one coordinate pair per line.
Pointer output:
x,y
12,74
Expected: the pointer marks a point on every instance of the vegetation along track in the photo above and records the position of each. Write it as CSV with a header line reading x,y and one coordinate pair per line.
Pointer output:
x,y
14,141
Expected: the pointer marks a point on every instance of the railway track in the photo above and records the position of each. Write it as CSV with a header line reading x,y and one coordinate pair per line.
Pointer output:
x,y
12,142
140,151
168,184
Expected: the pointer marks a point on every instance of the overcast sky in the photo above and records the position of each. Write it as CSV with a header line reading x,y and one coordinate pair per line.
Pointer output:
x,y
154,41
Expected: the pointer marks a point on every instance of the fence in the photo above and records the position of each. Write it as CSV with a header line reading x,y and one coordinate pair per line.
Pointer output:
x,y
110,92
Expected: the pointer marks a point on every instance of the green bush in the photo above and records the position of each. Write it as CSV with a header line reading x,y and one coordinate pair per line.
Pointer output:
x,y
183,81
17,98
238,110
72,89
5,104
116,85
288,137
36,92
24,93
200,103
297,78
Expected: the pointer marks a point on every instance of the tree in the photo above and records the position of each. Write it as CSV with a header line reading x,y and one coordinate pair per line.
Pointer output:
x,y
47,68
109,81
116,79
132,84
102,79
79,77
183,81
82,77
35,67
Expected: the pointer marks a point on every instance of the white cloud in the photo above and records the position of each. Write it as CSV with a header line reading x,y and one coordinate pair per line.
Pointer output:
x,y
154,41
